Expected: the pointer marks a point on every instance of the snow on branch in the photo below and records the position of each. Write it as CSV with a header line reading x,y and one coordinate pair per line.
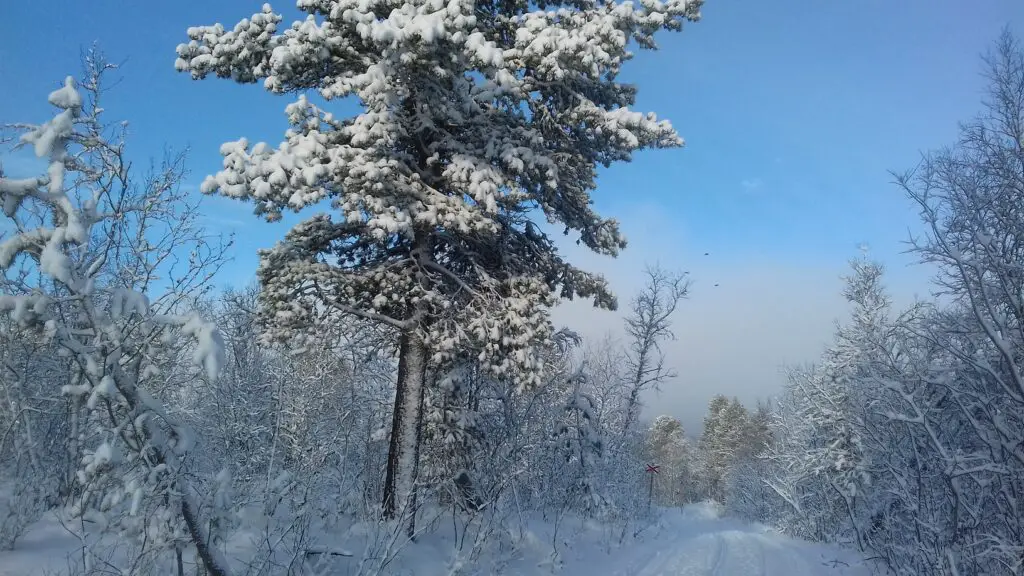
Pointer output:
x,y
134,472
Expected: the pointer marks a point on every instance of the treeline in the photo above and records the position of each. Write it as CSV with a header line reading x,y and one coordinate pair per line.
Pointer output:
x,y
123,405
698,470
399,362
906,438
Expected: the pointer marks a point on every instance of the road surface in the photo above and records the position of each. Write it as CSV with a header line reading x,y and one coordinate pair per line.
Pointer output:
x,y
698,543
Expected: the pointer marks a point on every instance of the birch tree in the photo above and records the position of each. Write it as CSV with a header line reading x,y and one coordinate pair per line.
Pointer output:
x,y
970,197
92,239
648,325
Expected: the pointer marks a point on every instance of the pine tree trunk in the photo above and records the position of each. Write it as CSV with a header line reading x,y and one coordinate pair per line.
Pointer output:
x,y
403,451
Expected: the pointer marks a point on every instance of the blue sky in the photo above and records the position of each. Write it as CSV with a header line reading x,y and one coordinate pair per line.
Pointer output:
x,y
793,113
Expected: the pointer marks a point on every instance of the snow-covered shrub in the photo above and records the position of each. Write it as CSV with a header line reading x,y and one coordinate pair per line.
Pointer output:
x,y
83,229
35,467
22,502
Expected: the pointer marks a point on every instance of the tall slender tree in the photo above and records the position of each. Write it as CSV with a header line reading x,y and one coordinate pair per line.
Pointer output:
x,y
476,116
648,325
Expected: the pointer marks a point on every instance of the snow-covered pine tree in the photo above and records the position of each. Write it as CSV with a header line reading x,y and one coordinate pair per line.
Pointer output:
x,y
746,493
454,433
758,435
821,458
583,446
89,235
722,440
476,116
853,370
667,447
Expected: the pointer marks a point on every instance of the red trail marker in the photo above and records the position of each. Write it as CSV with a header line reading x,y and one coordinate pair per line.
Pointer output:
x,y
652,470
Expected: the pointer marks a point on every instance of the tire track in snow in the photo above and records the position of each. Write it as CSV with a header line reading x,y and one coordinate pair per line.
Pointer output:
x,y
719,555
729,552
703,545
764,562
688,556
741,554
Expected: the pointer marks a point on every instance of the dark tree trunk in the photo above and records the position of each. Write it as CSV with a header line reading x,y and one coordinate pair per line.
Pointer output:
x,y
192,522
404,448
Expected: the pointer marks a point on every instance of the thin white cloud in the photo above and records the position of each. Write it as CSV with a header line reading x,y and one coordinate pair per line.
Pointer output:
x,y
751,184
222,222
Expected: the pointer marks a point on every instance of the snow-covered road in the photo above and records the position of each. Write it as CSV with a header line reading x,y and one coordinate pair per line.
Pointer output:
x,y
732,552
696,542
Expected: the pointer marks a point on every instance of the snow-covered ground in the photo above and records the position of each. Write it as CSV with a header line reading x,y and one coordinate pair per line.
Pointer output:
x,y
694,541
697,542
